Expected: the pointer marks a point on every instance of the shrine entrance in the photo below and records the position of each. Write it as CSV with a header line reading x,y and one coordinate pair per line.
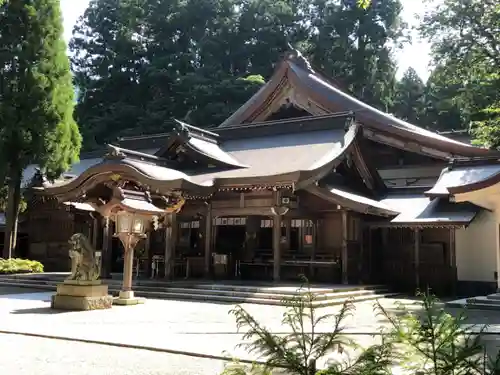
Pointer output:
x,y
230,240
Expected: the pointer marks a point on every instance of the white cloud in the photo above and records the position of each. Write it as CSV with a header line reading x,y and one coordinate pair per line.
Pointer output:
x,y
415,55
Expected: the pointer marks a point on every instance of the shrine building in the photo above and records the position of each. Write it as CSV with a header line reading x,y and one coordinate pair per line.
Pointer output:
x,y
302,179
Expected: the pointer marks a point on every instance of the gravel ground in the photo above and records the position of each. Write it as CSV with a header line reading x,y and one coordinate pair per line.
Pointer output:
x,y
22,355
12,290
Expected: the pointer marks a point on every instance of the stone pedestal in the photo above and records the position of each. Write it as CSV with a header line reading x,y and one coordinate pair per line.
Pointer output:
x,y
128,298
81,296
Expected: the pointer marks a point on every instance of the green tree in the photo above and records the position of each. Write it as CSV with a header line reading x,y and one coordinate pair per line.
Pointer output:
x,y
487,131
352,44
138,63
409,100
444,107
108,61
36,99
465,37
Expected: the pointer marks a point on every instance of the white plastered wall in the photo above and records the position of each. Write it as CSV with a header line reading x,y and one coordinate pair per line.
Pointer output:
x,y
476,249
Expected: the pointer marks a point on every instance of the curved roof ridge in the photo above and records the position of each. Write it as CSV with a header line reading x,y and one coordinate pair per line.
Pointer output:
x,y
298,72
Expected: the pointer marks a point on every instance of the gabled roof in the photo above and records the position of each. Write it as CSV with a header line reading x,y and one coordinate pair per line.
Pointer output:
x,y
291,160
316,93
420,211
352,200
288,158
202,145
466,176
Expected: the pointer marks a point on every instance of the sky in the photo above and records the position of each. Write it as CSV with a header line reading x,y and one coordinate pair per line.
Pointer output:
x,y
414,55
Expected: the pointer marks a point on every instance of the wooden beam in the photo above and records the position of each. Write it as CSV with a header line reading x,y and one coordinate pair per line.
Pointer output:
x,y
247,211
345,255
169,256
277,247
208,240
417,233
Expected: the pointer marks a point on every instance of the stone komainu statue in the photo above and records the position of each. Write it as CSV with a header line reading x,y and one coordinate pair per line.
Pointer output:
x,y
85,265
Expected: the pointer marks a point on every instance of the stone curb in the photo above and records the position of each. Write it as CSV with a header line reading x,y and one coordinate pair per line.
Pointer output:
x,y
132,346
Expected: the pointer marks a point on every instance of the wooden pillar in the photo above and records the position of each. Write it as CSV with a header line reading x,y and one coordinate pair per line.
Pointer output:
x,y
453,260
95,230
370,253
417,257
150,257
251,240
361,262
147,251
345,255
312,268
453,263
169,257
107,256
208,241
288,232
277,247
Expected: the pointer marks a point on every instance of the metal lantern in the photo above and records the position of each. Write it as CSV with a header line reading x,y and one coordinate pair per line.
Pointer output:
x,y
127,223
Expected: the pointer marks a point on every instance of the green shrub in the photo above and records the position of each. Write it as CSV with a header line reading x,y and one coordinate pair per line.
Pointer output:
x,y
427,342
14,265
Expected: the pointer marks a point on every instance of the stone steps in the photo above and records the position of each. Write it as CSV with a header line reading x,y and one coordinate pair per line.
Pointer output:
x,y
220,293
489,302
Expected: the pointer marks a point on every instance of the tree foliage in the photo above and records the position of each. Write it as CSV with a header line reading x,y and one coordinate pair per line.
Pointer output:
x,y
465,37
36,98
353,45
139,63
487,131
410,98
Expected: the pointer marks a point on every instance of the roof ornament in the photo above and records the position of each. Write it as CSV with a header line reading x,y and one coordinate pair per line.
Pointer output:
x,y
298,58
114,153
39,179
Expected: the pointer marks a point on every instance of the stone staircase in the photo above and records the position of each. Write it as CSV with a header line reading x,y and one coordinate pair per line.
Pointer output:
x,y
489,302
231,292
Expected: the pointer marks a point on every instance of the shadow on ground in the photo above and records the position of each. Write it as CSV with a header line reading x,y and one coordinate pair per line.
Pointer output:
x,y
39,310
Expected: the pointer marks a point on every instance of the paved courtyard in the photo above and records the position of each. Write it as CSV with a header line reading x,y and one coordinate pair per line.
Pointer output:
x,y
194,327
23,355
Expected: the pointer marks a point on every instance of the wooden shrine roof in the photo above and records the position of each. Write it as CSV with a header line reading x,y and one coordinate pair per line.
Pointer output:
x,y
465,177
270,161
419,210
296,78
277,156
352,200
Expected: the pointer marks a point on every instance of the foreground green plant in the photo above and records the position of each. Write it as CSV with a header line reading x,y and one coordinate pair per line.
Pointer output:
x,y
427,341
15,265
299,350
432,341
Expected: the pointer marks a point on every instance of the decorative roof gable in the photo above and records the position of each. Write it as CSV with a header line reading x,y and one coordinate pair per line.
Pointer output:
x,y
296,82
